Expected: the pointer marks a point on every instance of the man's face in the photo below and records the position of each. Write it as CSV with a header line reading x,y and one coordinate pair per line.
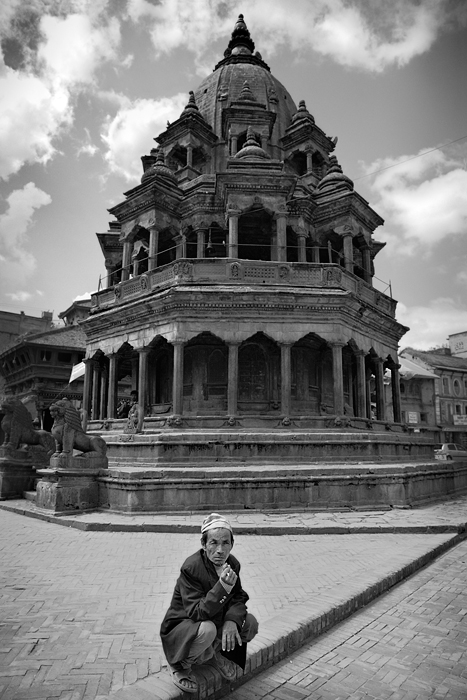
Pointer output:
x,y
218,545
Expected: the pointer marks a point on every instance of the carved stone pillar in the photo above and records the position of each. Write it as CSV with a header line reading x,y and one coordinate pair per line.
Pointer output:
x,y
189,155
379,383
108,269
233,145
177,386
153,247
361,385
281,225
232,386
142,379
183,246
338,378
286,378
315,254
366,256
396,394
301,237
112,393
95,391
134,373
233,233
309,161
200,242
103,393
348,251
126,262
87,388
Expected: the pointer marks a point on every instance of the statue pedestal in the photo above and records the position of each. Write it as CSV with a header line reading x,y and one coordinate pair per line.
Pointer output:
x,y
70,484
17,473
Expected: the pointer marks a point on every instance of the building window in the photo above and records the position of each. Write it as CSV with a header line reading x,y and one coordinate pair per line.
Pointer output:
x,y
457,387
465,386
46,355
458,409
423,417
445,385
402,388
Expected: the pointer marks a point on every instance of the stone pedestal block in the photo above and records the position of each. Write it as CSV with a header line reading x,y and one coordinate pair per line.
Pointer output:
x,y
17,473
70,484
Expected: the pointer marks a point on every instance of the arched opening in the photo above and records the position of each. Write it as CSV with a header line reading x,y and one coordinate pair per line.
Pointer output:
x,y
258,375
254,235
312,383
292,245
160,374
191,243
215,243
205,375
297,163
349,372
167,248
318,165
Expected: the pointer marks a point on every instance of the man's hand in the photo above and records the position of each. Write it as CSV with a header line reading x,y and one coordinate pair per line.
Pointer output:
x,y
228,575
230,636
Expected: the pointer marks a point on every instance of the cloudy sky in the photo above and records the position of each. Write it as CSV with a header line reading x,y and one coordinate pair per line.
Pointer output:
x,y
85,85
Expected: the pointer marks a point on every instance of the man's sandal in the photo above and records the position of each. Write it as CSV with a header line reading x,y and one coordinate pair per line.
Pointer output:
x,y
185,681
226,668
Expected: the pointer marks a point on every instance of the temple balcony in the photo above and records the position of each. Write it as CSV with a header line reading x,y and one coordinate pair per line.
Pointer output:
x,y
236,272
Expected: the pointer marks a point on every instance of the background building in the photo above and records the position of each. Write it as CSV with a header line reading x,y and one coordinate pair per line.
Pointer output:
x,y
449,397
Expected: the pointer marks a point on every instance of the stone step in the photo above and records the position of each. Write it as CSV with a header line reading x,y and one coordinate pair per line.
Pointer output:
x,y
30,496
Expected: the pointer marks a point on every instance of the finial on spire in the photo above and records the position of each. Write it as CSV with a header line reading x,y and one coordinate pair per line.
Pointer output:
x,y
302,113
191,105
241,39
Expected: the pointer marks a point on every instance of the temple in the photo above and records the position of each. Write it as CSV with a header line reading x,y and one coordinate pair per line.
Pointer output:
x,y
240,269
239,299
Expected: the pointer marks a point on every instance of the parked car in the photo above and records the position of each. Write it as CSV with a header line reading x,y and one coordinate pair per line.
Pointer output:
x,y
449,450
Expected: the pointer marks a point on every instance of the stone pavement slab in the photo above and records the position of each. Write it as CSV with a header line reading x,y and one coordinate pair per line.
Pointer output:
x,y
81,609
410,644
445,516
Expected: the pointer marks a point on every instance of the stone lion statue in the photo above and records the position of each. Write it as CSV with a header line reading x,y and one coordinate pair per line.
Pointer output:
x,y
19,430
68,432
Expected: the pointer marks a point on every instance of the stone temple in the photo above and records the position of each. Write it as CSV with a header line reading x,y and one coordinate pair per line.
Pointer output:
x,y
240,303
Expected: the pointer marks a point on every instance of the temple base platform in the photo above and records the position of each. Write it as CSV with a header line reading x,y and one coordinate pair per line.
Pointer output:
x,y
231,468
323,486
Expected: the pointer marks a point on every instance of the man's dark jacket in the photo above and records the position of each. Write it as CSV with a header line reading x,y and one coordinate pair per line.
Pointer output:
x,y
198,596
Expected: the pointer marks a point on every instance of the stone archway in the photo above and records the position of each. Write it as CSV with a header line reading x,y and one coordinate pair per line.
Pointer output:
x,y
258,375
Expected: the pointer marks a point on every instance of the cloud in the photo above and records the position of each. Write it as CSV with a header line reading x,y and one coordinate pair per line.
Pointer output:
x,y
73,48
423,200
358,34
46,59
17,263
431,325
19,296
132,130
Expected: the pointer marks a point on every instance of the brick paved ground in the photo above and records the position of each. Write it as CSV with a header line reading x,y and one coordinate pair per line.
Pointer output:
x,y
410,644
80,611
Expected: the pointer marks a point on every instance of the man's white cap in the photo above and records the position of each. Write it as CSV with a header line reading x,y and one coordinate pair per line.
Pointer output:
x,y
215,520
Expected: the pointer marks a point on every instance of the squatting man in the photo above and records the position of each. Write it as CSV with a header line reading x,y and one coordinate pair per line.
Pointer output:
x,y
207,621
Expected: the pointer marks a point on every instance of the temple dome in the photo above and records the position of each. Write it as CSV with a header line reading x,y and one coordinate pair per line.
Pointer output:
x,y
224,86
158,168
334,178
251,149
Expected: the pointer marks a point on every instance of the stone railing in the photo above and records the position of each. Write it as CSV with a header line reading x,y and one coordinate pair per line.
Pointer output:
x,y
251,272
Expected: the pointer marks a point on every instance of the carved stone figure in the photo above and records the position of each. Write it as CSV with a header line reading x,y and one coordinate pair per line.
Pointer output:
x,y
19,430
68,432
135,417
